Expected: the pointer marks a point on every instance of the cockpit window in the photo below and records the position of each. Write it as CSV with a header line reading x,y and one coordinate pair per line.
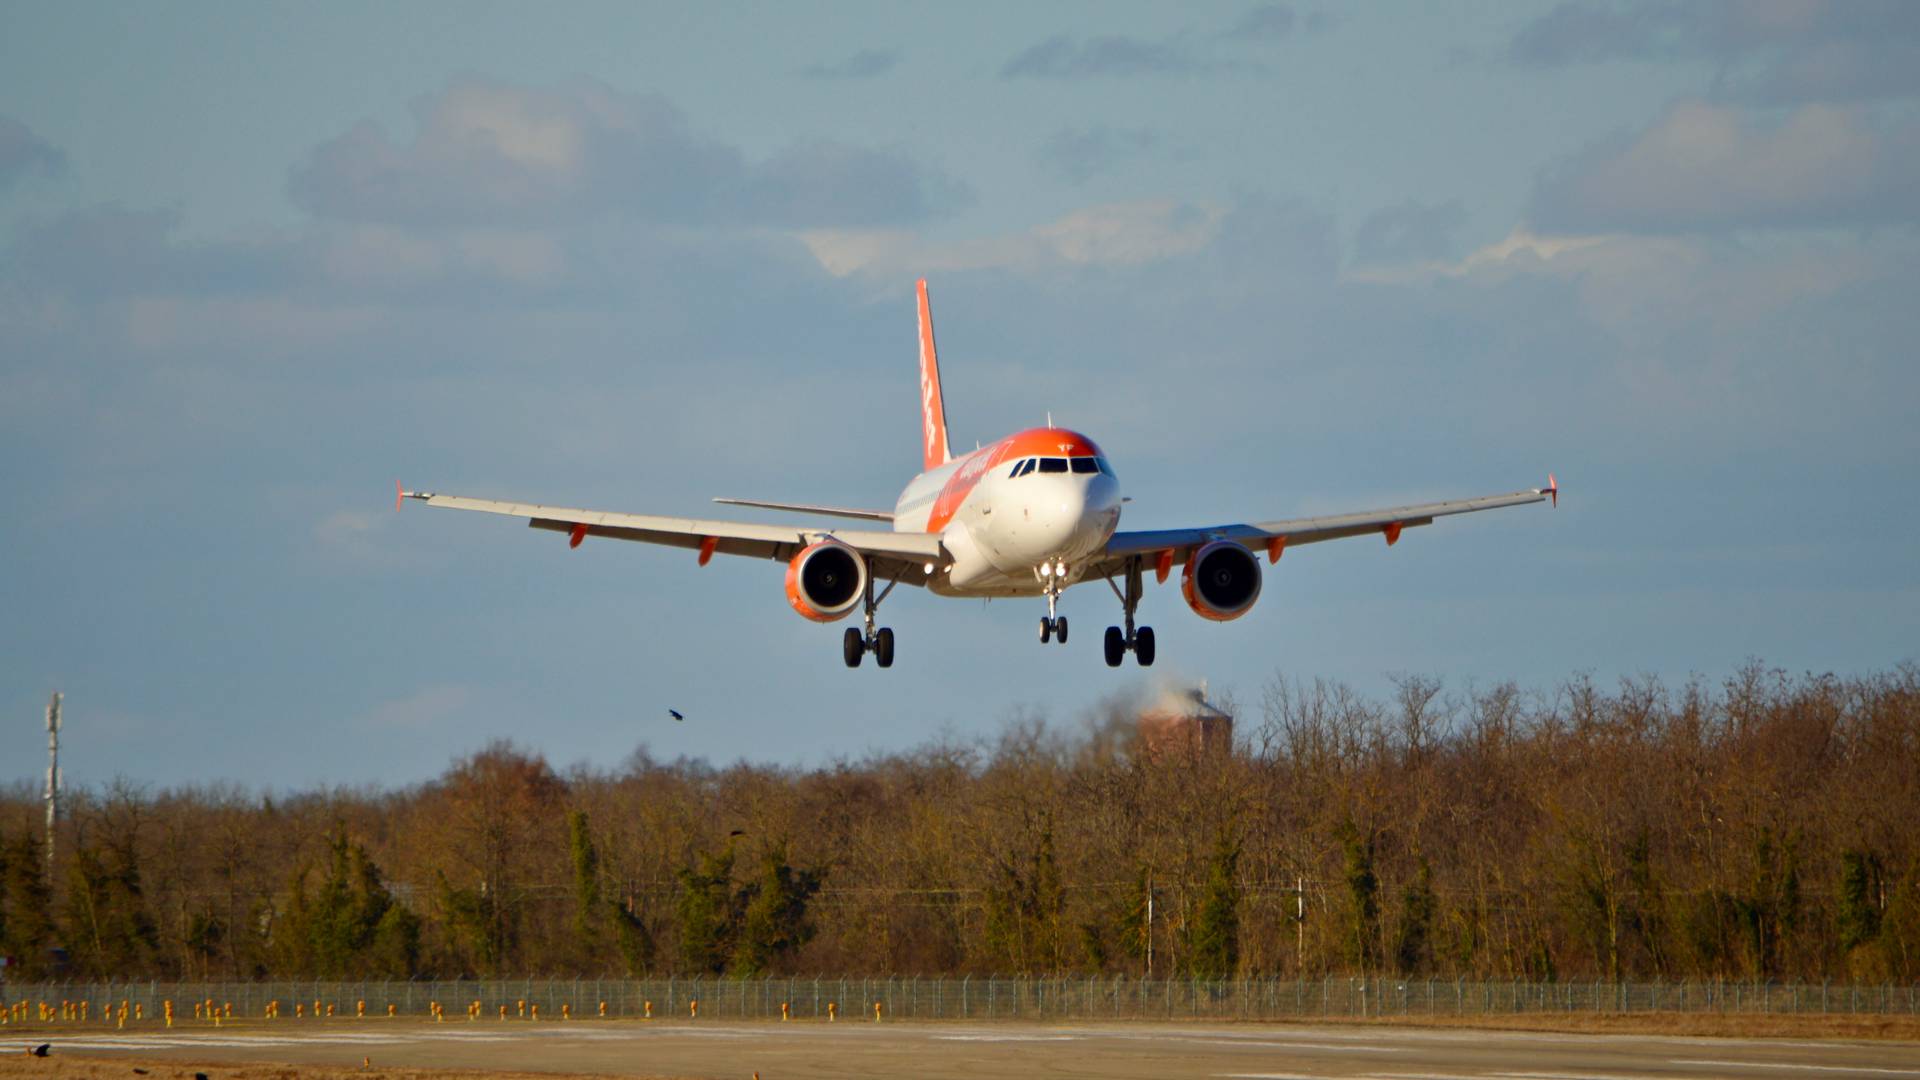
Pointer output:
x,y
1084,465
1105,466
1053,464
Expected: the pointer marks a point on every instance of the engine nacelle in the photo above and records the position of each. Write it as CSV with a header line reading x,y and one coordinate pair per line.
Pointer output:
x,y
826,581
1222,581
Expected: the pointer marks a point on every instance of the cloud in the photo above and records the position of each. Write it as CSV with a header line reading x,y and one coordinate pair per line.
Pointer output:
x,y
1831,71
1785,53
826,183
1079,154
493,153
1704,167
1411,230
1581,32
427,707
1268,22
22,153
1114,235
110,250
865,64
1110,56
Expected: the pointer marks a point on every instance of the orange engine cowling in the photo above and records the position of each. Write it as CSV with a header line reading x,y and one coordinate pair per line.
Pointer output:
x,y
1222,581
826,580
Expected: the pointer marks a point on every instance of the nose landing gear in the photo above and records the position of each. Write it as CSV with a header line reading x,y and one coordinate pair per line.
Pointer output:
x,y
854,644
1054,578
1140,642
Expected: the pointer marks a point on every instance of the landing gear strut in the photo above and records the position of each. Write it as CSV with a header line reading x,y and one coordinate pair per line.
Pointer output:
x,y
855,644
1054,578
1139,642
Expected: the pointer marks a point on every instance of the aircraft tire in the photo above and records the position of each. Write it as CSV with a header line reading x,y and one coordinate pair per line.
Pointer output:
x,y
1060,629
852,647
1116,646
1143,646
883,647
1046,630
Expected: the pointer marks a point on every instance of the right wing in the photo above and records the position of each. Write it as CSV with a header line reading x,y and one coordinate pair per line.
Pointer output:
x,y
892,555
1275,536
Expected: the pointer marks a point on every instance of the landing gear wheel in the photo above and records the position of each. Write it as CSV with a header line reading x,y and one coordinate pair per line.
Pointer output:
x,y
1143,646
853,646
883,647
1060,629
1116,646
1046,630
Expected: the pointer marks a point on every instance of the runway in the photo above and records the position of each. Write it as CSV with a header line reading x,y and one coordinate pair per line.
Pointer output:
x,y
859,1050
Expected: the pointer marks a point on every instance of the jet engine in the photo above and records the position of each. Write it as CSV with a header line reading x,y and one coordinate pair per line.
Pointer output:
x,y
826,581
1222,581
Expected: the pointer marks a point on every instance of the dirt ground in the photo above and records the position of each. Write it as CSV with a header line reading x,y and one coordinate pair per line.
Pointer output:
x,y
1709,1025
120,1068
1668,1045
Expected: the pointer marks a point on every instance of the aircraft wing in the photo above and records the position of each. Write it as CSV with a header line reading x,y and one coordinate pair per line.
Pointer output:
x,y
892,555
1171,547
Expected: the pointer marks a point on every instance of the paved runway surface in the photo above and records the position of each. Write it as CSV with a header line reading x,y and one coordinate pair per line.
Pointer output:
x,y
853,1050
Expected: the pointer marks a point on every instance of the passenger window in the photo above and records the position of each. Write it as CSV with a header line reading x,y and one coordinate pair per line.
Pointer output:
x,y
1084,465
1053,464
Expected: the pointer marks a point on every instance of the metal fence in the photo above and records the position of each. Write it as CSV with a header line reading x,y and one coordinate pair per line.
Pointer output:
x,y
946,998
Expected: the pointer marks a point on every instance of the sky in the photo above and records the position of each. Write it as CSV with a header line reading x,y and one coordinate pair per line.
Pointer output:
x,y
260,260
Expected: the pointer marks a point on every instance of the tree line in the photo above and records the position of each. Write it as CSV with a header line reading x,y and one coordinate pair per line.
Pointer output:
x,y
1761,827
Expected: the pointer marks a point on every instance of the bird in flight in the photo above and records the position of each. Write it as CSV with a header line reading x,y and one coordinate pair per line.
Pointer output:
x,y
675,713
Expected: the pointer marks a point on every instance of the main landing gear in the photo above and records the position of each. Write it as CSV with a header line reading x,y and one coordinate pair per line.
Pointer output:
x,y
1053,577
1139,642
854,644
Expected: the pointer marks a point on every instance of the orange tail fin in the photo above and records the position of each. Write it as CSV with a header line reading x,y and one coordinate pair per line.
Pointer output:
x,y
933,409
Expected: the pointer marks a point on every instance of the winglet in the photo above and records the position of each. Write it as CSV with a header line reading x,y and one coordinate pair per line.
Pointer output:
x,y
399,495
933,409
1553,490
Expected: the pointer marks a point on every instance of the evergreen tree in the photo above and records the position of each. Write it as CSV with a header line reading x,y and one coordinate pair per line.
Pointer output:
x,y
351,926
26,902
1363,900
1213,947
707,913
469,916
1858,915
631,937
774,924
587,914
111,932
1412,950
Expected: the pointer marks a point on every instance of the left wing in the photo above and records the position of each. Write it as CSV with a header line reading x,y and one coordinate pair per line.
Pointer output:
x,y
892,555
1171,547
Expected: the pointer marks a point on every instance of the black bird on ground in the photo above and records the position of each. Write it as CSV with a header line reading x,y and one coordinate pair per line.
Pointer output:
x,y
41,1050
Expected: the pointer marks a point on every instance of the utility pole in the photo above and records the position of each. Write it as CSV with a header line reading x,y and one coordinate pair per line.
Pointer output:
x,y
53,775
1149,925
1300,925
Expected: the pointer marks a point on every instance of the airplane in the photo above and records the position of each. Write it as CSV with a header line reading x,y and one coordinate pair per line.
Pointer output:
x,y
1028,515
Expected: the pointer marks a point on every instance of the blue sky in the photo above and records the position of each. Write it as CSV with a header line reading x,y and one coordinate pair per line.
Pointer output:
x,y
257,261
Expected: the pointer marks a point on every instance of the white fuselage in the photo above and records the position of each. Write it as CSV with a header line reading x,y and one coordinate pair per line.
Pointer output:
x,y
1044,497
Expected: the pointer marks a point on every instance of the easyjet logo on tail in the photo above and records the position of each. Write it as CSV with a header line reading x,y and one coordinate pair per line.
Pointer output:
x,y
933,413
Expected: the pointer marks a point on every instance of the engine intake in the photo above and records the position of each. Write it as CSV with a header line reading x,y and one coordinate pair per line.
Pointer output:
x,y
826,581
1221,582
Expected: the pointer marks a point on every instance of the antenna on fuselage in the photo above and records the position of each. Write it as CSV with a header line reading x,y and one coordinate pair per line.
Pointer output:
x,y
1049,419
